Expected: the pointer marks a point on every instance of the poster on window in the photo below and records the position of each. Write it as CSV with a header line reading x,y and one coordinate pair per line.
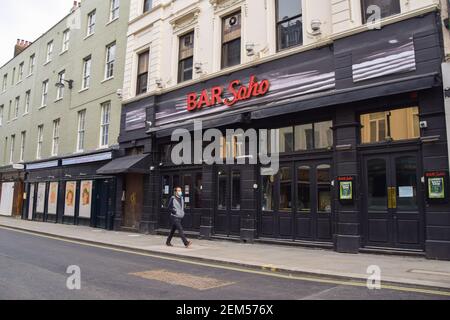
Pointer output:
x,y
40,198
346,190
53,198
436,188
85,199
69,208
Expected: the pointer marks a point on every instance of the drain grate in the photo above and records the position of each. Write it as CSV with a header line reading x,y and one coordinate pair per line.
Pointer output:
x,y
183,279
431,272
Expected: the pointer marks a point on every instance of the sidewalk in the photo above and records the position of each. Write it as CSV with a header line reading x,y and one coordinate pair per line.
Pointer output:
x,y
403,270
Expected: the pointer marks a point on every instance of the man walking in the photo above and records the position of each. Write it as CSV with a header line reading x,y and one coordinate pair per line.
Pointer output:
x,y
176,210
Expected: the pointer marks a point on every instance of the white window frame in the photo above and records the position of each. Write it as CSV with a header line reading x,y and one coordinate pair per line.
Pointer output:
x,y
60,90
2,111
23,136
87,65
110,60
20,74
114,10
49,55
40,141
91,20
5,82
55,138
31,65
13,76
66,40
16,107
27,102
11,149
81,130
105,122
44,99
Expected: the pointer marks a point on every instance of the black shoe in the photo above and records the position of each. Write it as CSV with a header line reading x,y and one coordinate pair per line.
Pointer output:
x,y
169,244
189,244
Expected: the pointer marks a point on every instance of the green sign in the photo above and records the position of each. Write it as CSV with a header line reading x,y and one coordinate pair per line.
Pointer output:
x,y
436,188
346,190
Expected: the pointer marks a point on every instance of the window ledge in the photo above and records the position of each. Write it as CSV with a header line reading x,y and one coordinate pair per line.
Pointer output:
x,y
83,90
59,99
25,114
62,52
29,75
88,36
107,79
42,107
19,82
111,21
47,62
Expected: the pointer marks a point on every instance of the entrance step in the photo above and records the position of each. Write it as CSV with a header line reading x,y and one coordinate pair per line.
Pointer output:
x,y
393,251
296,243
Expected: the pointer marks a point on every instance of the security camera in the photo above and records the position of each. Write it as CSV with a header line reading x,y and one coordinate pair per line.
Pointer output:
x,y
119,93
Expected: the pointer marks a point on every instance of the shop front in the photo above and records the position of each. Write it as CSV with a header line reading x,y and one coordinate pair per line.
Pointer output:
x,y
11,190
70,191
357,131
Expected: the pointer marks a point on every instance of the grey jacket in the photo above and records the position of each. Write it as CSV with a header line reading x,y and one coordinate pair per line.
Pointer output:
x,y
176,207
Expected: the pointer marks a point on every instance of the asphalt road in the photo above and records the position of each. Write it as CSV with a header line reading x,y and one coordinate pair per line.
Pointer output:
x,y
34,267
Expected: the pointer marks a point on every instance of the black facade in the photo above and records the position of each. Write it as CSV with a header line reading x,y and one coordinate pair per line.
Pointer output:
x,y
389,72
57,186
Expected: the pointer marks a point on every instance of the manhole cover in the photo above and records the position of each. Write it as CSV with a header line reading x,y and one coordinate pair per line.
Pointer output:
x,y
183,279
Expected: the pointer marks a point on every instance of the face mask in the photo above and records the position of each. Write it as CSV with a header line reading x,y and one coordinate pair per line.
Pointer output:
x,y
180,194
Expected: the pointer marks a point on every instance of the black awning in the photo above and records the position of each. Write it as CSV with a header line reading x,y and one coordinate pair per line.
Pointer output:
x,y
381,89
129,164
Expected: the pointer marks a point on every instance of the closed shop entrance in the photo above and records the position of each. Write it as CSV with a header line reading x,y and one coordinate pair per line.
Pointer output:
x,y
296,203
393,201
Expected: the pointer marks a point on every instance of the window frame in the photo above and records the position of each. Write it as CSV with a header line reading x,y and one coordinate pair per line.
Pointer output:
x,y
144,6
140,76
280,22
86,74
110,63
40,141
66,40
23,136
49,54
105,121
16,107
55,137
27,102
224,43
60,90
5,82
44,97
114,12
20,72
91,22
31,64
181,60
81,130
12,146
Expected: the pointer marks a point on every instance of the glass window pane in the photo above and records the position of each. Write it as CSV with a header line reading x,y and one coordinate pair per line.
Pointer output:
x,y
231,53
187,191
406,175
377,185
324,188
395,125
290,33
236,190
222,191
198,190
304,189
268,201
165,191
323,135
288,8
285,189
286,139
304,137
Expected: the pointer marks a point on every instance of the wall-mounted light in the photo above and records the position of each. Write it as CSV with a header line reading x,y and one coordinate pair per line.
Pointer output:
x,y
255,186
152,168
250,48
316,25
159,83
61,84
123,196
198,66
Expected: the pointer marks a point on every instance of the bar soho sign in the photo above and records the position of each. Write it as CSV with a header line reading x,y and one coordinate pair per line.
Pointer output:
x,y
236,92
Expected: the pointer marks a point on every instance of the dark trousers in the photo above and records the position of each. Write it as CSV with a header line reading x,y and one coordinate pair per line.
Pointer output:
x,y
176,225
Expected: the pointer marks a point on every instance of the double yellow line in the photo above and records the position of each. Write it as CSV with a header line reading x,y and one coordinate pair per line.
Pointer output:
x,y
265,270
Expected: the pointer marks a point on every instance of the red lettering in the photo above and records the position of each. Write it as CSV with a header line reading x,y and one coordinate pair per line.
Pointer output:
x,y
237,91
216,95
192,101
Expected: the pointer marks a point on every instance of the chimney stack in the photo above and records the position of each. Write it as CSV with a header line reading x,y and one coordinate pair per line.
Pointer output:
x,y
76,5
20,46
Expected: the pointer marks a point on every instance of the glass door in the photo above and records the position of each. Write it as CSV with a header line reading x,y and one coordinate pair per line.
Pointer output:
x,y
227,217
